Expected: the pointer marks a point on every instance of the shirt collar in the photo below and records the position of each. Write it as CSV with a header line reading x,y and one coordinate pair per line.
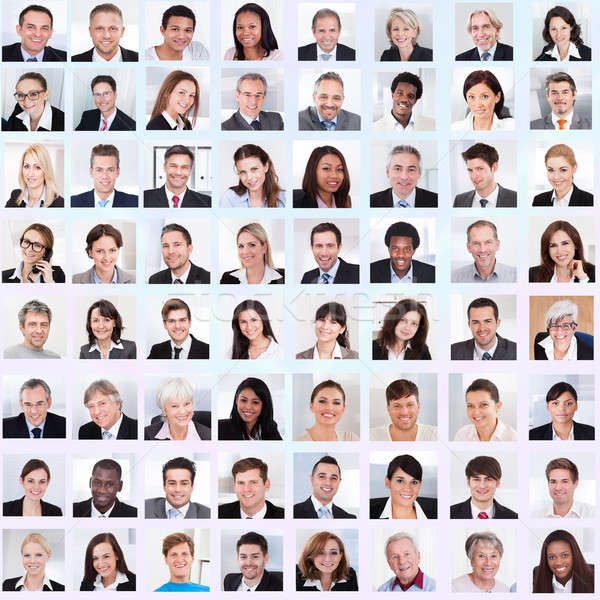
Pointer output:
x,y
20,585
488,511
39,57
491,51
183,277
186,346
39,203
323,120
248,119
493,275
479,352
570,437
577,511
110,119
45,121
114,430
408,278
410,199
320,52
317,505
96,513
409,126
17,275
317,583
386,513
120,578
568,118
560,588
109,201
170,195
572,51
118,345
392,356
116,58
321,204
332,272
165,434
548,345
492,198
182,509
564,201
259,515
97,279
174,124
337,352
31,427
418,581
270,275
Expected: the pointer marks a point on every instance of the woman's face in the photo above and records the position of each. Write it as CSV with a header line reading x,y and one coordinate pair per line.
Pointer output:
x,y
327,330
33,175
29,255
35,484
560,31
482,411
561,332
561,248
328,406
563,408
485,561
248,29
560,559
179,412
252,173
402,34
182,98
328,559
105,253
560,174
407,326
482,101
251,250
404,488
330,174
104,560
34,559
102,327
251,324
249,406
27,104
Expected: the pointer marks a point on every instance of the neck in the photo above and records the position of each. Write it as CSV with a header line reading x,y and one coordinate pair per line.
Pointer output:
x,y
561,509
30,52
325,349
254,509
326,197
103,195
105,276
482,584
253,582
255,53
176,191
398,346
484,193
259,342
482,124
35,114
326,580
103,345
106,115
166,53
102,510
30,347
323,433
481,505
182,579
180,343
256,197
488,346
562,273
108,56
563,49
31,507
562,429
34,582
35,193
255,274
173,114
564,115
109,579
403,512
182,269
403,435
405,51
560,353
403,196
401,273
485,433
485,273
178,432
404,120
560,194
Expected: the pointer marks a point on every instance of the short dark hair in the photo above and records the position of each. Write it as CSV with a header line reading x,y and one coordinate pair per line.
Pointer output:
x,y
559,77
322,228
401,388
35,8
482,303
402,229
484,465
104,79
174,304
109,310
328,460
409,78
489,154
484,385
104,150
181,462
108,464
558,389
567,16
563,463
179,149
328,383
337,313
408,464
177,11
34,464
101,230
246,464
251,537
175,227
323,13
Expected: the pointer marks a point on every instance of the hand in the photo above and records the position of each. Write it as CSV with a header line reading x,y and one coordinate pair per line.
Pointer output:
x,y
576,268
46,270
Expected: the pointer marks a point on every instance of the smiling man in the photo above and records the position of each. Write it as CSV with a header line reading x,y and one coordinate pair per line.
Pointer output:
x,y
484,27
250,484
325,479
326,28
327,113
178,550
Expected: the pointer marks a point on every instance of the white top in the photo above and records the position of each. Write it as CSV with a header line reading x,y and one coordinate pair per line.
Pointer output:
x,y
475,512
182,510
20,585
273,352
342,436
273,55
109,200
572,51
425,433
259,515
548,345
386,513
464,584
564,201
567,118
579,510
185,348
337,353
502,433
193,51
118,57
94,347
165,434
466,124
114,430
270,275
559,588
45,119
570,437
99,586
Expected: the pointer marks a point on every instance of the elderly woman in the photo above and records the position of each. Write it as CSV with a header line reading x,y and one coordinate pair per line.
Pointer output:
x,y
485,552
561,341
402,28
175,399
562,35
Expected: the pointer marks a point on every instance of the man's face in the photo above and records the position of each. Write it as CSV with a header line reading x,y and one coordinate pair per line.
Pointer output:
x,y
106,30
482,488
484,34
563,408
401,252
175,250
250,490
325,249
104,171
561,487
35,330
404,412
329,98
404,98
178,487
403,174
482,246
179,559
252,561
403,560
325,482
178,168
178,33
103,411
105,484
178,325
481,174
34,404
327,33
561,98
250,97
104,97
35,31
483,326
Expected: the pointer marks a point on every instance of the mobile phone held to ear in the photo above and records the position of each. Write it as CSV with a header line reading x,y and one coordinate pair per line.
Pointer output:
x,y
47,256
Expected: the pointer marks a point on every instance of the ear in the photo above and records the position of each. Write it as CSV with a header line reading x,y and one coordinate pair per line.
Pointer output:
x,y
498,481
266,558
387,483
498,405
120,486
268,484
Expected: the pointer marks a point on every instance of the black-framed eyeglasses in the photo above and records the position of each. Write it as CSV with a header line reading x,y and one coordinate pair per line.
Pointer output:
x,y
36,246
34,95
562,326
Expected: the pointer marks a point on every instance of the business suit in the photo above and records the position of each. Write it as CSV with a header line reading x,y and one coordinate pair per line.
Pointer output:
x,y
126,586
505,350
120,509
345,352
90,121
342,52
154,508
585,351
505,199
58,275
157,198
128,352
581,431
195,275
428,506
308,120
422,272
8,585
59,201
503,52
121,200
577,122
14,508
231,510
350,585
303,200
585,52
12,53
55,427
462,510
127,430
306,510
16,124
269,121
346,273
578,198
159,123
271,581
588,268
87,56
228,278
418,53
380,353
423,199
151,430
228,431
198,350
88,276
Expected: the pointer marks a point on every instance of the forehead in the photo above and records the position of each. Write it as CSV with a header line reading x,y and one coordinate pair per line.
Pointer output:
x,y
179,159
248,237
180,22
326,23
102,86
401,240
401,546
407,88
105,240
486,547
36,16
559,546
179,548
481,231
479,396
33,235
330,86
480,19
101,473
28,84
98,396
102,548
31,547
177,313
560,474
248,393
331,544
324,237
405,159
481,313
327,468
36,391
104,161
565,396
173,236
30,159
330,160
36,316
178,474
406,399
249,474
249,313
185,84
247,18
251,85
106,18
250,549
477,163
559,85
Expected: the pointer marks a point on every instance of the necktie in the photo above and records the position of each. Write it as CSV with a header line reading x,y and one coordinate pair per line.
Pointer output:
x,y
561,123
175,201
483,202
31,60
174,513
325,278
107,435
482,515
177,352
402,203
103,203
325,56
324,513
178,280
256,125
486,56
37,432
103,128
486,356
329,125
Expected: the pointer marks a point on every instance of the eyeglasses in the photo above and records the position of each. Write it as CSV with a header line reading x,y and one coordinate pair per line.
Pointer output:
x,y
99,95
563,326
249,96
28,405
36,246
20,96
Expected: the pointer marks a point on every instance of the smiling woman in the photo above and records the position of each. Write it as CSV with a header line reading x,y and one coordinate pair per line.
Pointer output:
x,y
105,566
562,35
253,337
252,34
402,28
177,98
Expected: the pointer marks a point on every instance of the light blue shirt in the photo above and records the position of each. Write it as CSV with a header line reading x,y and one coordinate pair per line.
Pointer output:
x,y
231,200
408,278
31,427
428,585
39,57
97,279
410,199
334,120
491,52
332,272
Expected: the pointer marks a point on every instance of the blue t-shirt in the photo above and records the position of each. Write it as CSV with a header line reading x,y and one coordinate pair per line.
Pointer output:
x,y
170,586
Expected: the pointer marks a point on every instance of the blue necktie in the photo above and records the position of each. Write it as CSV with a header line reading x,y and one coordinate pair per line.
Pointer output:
x,y
486,56
324,513
325,56
483,202
403,204
174,513
107,435
486,356
325,277
329,125
103,203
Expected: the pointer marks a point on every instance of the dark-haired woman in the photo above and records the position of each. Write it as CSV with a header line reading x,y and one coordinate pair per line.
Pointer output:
x,y
253,336
105,566
252,35
562,35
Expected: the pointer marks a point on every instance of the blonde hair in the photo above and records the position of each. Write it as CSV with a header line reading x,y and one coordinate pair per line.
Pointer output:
x,y
257,230
176,387
43,158
36,538
406,15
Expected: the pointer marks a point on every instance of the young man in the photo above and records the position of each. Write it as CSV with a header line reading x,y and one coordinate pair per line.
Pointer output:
x,y
178,550
34,325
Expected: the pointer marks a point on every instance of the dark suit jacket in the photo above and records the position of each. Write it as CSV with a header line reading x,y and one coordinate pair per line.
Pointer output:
x,y
90,121
269,121
306,510
581,431
503,52
350,585
127,430
272,581
422,272
59,201
84,509
15,124
16,427
121,200
584,51
8,585
589,270
228,278
14,508
154,508
126,55
12,53
506,199
57,274
428,506
346,273
198,350
423,199
578,198
505,350
227,431
128,586
578,122
157,198
151,430
159,123
129,351
418,53
462,510
380,353
195,275
303,200
308,120
585,351
309,52
231,510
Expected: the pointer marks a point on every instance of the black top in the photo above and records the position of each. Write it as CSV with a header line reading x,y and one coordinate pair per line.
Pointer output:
x,y
585,350
120,509
8,585
127,430
14,508
12,53
422,272
227,431
88,56
272,581
428,506
57,274
88,200
59,201
195,275
90,121
418,53
585,52
157,198
342,52
503,52
303,200
126,586
380,353
350,585
578,198
231,510
462,510
588,268
16,427
306,510
228,278
15,124
423,199
160,123
581,431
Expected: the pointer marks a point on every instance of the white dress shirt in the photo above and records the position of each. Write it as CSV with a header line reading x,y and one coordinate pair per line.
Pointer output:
x,y
185,348
491,198
45,119
259,515
502,433
116,58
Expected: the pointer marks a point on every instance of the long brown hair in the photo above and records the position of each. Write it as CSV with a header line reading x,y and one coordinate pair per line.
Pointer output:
x,y
271,185
89,574
167,87
313,546
386,337
309,181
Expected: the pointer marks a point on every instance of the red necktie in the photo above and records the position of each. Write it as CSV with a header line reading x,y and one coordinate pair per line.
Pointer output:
x,y
482,515
561,123
175,201
103,125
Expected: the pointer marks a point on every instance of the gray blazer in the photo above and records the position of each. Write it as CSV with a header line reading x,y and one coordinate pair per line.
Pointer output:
x,y
578,122
308,120
345,353
88,276
506,199
155,509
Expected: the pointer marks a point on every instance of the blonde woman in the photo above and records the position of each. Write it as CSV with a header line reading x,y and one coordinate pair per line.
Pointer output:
x,y
402,28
